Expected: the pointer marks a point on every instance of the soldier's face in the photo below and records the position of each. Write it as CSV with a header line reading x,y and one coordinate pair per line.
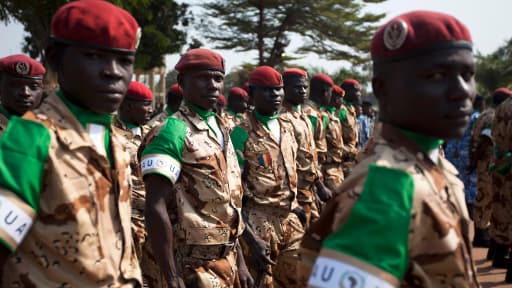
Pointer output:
x,y
353,94
336,100
431,94
237,104
20,95
322,93
140,111
95,79
173,101
296,90
202,88
267,100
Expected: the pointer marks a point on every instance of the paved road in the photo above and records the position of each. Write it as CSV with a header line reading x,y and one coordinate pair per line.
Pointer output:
x,y
488,276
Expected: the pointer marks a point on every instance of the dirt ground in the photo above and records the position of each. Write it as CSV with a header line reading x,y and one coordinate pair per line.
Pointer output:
x,y
488,276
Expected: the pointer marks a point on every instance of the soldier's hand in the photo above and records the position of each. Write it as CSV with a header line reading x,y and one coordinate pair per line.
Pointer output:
x,y
324,193
175,282
260,255
301,215
245,277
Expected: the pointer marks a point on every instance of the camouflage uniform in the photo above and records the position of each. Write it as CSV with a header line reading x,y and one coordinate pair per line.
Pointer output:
x,y
501,223
4,120
349,127
482,209
400,220
332,161
307,159
81,236
233,119
270,188
206,196
319,122
160,118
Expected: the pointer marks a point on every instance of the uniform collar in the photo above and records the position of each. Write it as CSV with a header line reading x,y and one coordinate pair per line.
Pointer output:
x,y
426,143
85,116
204,114
264,119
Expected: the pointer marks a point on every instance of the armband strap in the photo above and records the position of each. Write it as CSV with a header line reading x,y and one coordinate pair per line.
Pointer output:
x,y
334,269
161,164
16,218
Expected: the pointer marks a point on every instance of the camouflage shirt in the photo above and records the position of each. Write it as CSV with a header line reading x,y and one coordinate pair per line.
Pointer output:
x,y
4,119
334,138
233,119
159,119
202,166
269,171
319,120
348,118
81,236
307,159
400,220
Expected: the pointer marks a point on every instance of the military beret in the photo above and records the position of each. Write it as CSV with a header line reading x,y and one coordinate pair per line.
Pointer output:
x,y
338,90
222,100
350,83
238,92
265,76
323,77
295,71
417,33
20,65
176,89
139,91
501,94
98,24
200,59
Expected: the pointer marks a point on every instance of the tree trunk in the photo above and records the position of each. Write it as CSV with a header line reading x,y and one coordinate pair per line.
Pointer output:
x,y
261,33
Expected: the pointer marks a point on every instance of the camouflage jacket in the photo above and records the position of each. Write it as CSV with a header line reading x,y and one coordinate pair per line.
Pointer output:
x,y
349,127
482,125
269,171
158,119
81,236
307,159
232,120
319,121
206,193
400,220
334,140
3,123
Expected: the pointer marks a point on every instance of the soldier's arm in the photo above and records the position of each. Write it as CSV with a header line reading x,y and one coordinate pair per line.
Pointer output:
x,y
161,168
370,241
238,138
24,150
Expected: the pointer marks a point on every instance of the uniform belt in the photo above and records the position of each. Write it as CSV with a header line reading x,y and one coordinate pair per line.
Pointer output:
x,y
209,252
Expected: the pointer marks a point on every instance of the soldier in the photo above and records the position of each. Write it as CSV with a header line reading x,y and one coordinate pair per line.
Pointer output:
x,y
134,113
221,105
238,101
194,194
309,176
174,97
348,118
64,176
481,157
21,86
266,148
401,220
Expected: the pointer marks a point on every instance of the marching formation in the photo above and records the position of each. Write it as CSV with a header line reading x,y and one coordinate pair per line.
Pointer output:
x,y
289,181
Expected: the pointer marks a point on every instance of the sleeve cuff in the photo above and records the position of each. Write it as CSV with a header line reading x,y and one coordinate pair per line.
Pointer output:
x,y
16,218
161,164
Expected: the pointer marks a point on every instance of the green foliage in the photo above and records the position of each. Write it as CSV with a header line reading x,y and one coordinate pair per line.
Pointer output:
x,y
158,19
334,29
495,70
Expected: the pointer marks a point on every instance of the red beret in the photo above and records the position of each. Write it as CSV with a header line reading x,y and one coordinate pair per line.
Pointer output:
x,y
139,91
20,65
222,100
98,24
295,71
238,92
200,59
418,32
324,78
265,76
338,90
246,86
503,91
176,89
349,83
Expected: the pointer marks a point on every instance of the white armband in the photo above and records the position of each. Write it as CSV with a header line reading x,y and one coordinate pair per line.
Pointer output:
x,y
161,164
16,218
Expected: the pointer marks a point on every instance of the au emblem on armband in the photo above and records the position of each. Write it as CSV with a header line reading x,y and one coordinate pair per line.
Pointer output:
x,y
161,164
16,218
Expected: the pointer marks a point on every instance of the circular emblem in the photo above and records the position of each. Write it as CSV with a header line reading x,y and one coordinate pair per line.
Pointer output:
x,y
351,279
395,34
22,68
160,163
137,37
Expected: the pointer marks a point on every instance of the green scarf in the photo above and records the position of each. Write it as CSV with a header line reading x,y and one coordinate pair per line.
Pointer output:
x,y
426,143
264,119
204,114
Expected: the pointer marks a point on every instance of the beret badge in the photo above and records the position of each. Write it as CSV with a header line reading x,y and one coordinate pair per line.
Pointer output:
x,y
137,37
22,68
395,34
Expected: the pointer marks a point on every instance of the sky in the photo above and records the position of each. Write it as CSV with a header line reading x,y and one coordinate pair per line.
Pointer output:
x,y
485,19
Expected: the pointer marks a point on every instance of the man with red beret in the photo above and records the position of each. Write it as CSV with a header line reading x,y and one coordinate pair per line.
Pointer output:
x,y
400,219
21,86
238,101
134,113
194,193
173,100
64,177
309,175
266,149
348,118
